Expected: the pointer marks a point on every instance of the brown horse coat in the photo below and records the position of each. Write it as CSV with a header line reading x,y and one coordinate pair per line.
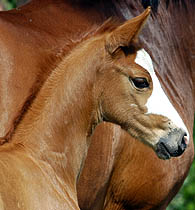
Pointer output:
x,y
50,143
39,41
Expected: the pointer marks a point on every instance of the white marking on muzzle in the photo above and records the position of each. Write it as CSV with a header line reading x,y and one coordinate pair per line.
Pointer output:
x,y
158,102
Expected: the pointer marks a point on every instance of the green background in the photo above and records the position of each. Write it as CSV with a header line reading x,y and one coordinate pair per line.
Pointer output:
x,y
9,4
185,199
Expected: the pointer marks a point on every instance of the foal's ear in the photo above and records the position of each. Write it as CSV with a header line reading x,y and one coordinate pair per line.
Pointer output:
x,y
127,33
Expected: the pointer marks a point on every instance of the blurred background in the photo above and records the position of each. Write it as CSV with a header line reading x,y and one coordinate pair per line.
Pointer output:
x,y
10,4
185,199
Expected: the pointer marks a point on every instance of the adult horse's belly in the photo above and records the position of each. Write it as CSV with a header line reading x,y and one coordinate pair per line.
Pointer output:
x,y
131,172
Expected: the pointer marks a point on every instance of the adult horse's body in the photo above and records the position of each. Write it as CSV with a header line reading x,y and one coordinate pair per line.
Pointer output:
x,y
30,26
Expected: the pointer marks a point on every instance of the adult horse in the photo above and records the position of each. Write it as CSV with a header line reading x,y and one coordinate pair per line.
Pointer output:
x,y
40,42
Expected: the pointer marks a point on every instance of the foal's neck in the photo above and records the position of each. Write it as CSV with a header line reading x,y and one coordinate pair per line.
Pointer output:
x,y
57,126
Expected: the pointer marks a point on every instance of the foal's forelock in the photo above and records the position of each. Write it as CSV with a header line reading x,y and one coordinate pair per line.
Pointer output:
x,y
158,102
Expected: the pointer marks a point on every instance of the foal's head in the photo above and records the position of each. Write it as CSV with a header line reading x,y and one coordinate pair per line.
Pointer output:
x,y
125,85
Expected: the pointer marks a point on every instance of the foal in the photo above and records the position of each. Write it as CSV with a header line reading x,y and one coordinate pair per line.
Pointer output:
x,y
99,80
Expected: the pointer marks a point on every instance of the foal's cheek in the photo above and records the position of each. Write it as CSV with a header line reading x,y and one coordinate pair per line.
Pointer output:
x,y
140,99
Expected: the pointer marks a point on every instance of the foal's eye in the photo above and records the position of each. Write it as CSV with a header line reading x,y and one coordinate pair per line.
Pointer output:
x,y
140,82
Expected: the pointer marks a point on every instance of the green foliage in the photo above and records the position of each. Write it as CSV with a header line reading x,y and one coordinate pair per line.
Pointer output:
x,y
185,199
9,4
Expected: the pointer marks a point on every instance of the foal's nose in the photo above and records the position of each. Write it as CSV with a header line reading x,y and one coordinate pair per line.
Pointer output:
x,y
182,144
173,145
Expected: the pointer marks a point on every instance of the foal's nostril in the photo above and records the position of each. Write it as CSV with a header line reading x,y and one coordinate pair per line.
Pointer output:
x,y
183,144
185,138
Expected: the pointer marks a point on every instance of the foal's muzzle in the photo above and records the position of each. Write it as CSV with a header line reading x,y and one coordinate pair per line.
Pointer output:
x,y
173,145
